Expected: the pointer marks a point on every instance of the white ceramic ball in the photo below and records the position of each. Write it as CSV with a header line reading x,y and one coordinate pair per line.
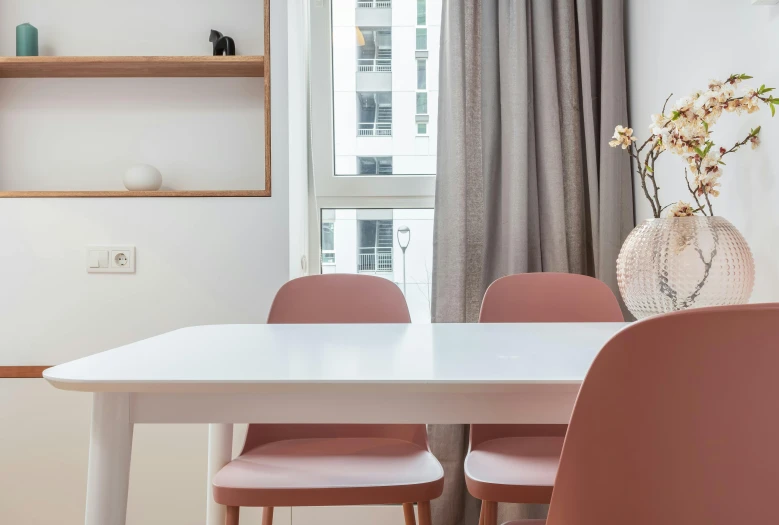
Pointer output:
x,y
142,177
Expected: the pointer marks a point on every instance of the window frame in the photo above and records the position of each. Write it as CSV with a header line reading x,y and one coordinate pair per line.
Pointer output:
x,y
346,191
353,191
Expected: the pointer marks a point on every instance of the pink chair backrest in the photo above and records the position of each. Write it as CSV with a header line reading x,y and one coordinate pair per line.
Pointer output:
x,y
549,298
337,299
543,298
676,423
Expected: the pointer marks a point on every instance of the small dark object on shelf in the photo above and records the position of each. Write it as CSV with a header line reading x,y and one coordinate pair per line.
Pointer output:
x,y
223,45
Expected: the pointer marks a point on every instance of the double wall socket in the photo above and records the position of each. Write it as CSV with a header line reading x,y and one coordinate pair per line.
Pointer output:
x,y
111,259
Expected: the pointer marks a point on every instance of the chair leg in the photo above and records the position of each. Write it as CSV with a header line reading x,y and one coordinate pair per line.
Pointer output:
x,y
424,513
267,516
408,514
231,515
489,511
481,514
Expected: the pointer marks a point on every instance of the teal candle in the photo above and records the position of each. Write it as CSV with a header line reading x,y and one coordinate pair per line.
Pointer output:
x,y
26,41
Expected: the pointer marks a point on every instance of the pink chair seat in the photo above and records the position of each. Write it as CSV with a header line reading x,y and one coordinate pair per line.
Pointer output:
x,y
514,469
330,471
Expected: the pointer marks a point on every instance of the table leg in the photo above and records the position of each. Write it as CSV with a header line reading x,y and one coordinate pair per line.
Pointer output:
x,y
220,452
110,446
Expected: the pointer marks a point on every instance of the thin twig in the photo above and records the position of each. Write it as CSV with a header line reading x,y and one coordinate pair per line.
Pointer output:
x,y
694,193
642,173
738,145
706,194
666,102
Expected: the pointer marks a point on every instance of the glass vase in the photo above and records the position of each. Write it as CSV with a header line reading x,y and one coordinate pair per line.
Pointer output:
x,y
672,264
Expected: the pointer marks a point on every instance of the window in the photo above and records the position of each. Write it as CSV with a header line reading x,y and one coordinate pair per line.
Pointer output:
x,y
421,74
374,50
421,103
421,39
374,114
328,241
374,165
373,156
421,12
396,244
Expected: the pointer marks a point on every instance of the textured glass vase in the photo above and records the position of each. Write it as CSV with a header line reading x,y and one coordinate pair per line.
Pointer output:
x,y
677,263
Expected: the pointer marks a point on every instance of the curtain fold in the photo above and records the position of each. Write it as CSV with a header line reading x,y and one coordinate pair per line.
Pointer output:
x,y
529,92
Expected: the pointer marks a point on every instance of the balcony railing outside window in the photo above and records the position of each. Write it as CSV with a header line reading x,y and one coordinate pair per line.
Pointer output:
x,y
374,129
374,3
374,259
374,65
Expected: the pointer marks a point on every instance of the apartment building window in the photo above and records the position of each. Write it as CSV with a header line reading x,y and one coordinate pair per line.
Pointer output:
x,y
328,241
422,128
374,114
376,241
374,165
374,50
421,103
421,39
421,12
421,74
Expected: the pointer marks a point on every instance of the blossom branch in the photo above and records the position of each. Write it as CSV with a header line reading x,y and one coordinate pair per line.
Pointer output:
x,y
693,192
686,131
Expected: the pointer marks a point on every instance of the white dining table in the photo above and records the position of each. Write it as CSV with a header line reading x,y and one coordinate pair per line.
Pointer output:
x,y
413,373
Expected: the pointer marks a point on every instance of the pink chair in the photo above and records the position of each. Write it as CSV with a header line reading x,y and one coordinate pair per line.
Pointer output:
x,y
518,463
320,465
676,424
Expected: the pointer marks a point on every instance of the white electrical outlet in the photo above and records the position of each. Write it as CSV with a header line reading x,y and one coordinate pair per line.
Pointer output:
x,y
111,259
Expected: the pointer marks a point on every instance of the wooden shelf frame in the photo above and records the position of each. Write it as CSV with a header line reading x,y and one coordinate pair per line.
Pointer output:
x,y
147,67
132,66
22,372
96,194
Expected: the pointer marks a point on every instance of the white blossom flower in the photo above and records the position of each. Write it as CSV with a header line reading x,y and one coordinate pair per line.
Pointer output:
x,y
622,137
681,209
659,122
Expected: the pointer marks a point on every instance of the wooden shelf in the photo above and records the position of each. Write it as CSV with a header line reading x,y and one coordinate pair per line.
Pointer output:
x,y
114,194
124,67
22,372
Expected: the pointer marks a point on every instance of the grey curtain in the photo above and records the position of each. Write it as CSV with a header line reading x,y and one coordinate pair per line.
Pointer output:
x,y
529,94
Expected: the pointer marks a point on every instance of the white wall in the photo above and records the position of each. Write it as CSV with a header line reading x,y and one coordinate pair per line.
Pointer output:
x,y
82,134
668,51
198,261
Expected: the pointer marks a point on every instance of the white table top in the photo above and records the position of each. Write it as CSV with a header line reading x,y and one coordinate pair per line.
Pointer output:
x,y
262,358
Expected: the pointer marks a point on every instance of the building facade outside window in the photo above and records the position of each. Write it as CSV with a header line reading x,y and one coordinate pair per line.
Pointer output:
x,y
367,242
374,165
421,39
328,238
374,139
422,73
